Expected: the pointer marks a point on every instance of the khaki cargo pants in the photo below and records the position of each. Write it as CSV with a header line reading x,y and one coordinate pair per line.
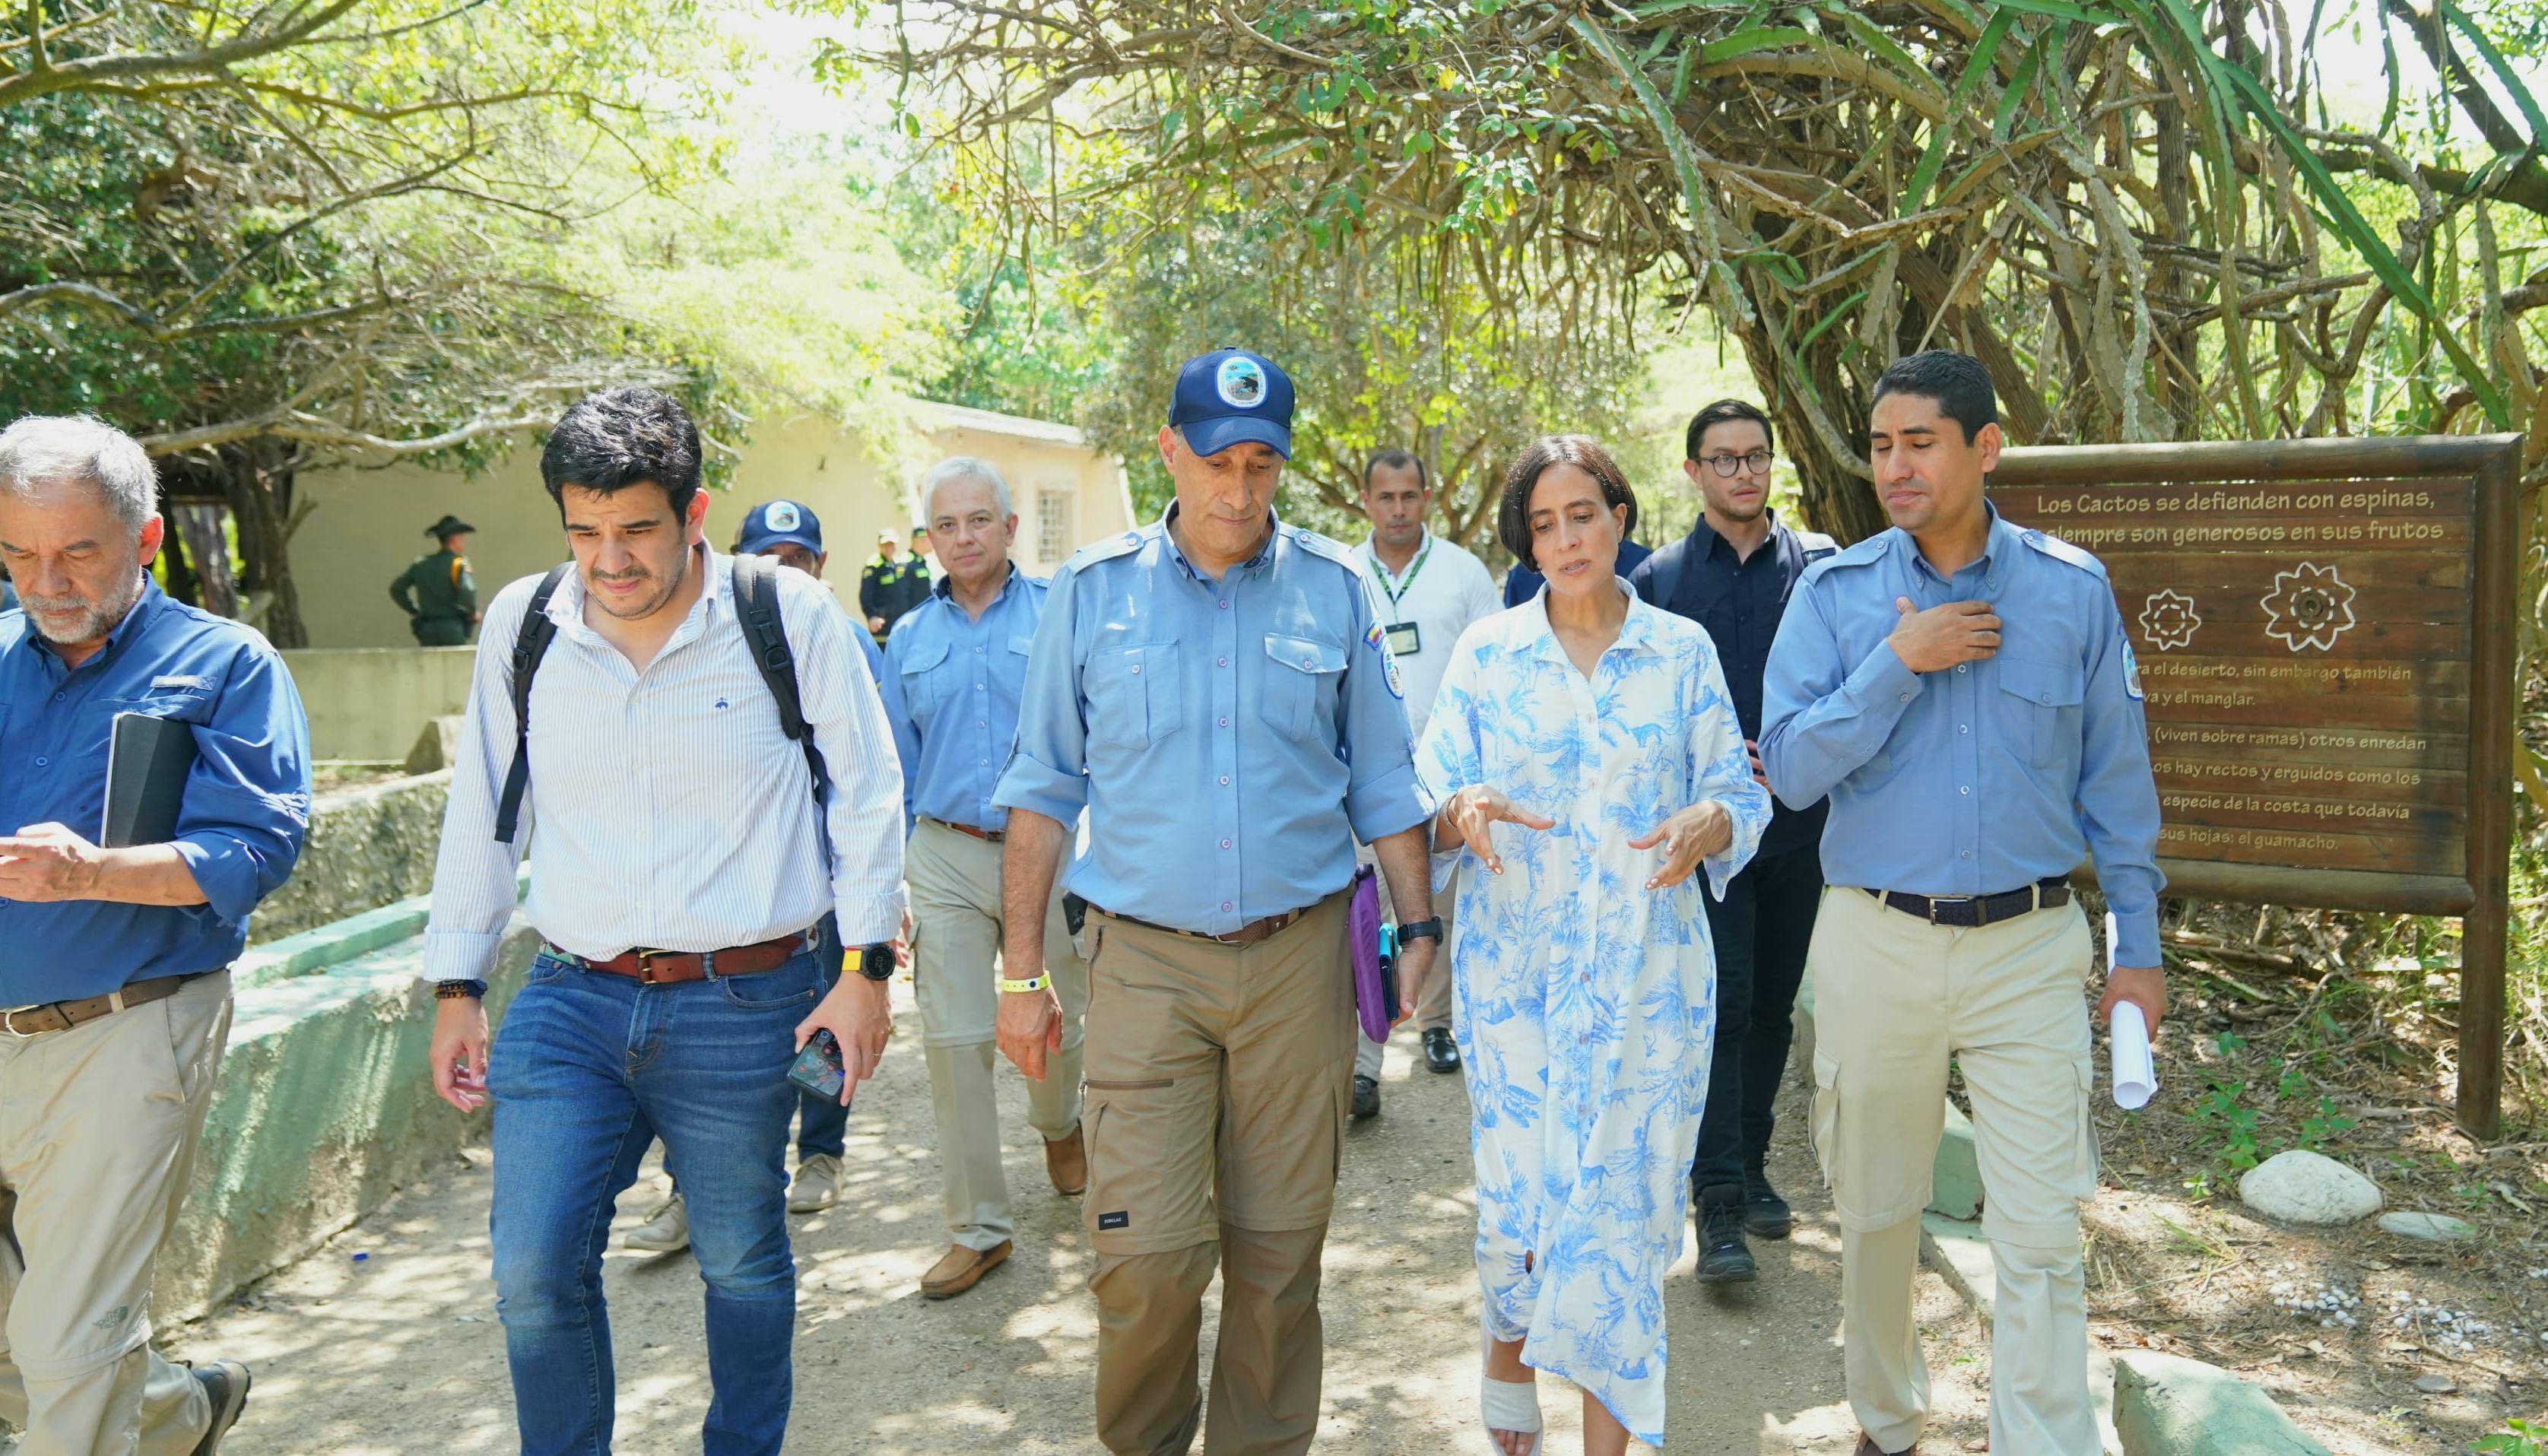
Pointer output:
x,y
1895,1000
1218,1082
955,926
98,1126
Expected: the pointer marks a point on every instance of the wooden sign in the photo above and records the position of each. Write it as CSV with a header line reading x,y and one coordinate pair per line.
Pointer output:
x,y
2326,640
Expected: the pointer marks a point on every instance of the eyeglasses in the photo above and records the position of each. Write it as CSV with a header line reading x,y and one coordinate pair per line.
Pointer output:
x,y
1730,466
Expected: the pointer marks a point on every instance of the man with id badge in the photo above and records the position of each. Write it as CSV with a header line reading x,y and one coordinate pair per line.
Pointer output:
x,y
1432,590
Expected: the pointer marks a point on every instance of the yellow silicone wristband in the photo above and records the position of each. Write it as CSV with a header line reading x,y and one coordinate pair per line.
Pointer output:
x,y
1020,988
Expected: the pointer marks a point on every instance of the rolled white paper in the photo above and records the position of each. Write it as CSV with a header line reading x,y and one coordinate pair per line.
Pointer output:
x,y
2136,1075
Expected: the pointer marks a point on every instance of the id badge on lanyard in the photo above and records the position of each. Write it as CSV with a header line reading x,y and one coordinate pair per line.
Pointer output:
x,y
1404,640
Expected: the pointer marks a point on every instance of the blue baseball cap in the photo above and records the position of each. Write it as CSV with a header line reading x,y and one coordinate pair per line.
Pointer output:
x,y
1231,396
774,521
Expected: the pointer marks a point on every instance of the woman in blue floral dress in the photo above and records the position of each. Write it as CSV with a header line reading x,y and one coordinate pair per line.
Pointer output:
x,y
1589,761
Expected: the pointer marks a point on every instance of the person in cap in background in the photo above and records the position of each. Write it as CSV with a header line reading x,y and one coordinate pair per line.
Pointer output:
x,y
436,591
113,960
891,584
795,535
1214,691
1434,589
924,551
962,658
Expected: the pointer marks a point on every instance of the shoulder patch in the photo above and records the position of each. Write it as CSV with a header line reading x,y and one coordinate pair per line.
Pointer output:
x,y
1377,640
1106,550
1865,553
2131,672
1816,545
2063,552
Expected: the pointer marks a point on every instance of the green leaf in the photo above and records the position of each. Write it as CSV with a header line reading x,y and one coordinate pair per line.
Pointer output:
x,y
1703,212
2012,100
2086,15
1751,39
1986,50
1805,339
2503,72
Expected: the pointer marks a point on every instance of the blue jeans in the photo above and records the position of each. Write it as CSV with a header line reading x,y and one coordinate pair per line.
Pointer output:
x,y
589,1070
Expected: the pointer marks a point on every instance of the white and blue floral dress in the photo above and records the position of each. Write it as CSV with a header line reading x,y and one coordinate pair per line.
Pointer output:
x,y
1587,1003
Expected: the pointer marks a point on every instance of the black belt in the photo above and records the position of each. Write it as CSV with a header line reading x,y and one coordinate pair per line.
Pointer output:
x,y
1972,912
1252,933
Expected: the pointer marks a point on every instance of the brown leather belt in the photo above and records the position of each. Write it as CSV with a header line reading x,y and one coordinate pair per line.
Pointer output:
x,y
1969,911
987,836
61,1015
1249,934
665,967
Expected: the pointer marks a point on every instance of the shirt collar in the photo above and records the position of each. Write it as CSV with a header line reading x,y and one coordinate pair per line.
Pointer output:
x,y
566,608
1705,538
1264,553
1423,541
1635,634
1998,544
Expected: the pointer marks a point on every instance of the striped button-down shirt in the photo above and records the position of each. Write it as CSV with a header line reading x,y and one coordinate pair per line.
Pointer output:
x,y
667,810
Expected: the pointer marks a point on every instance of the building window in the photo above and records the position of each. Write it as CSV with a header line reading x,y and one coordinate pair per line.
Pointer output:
x,y
1053,526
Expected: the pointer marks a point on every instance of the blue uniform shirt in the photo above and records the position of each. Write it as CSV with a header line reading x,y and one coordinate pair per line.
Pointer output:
x,y
1229,739
246,806
958,713
1981,777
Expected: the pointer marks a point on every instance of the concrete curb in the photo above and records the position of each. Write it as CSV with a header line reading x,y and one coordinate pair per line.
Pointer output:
x,y
2170,1406
340,941
323,1109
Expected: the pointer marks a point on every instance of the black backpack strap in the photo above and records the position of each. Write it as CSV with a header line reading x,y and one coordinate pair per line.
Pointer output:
x,y
1663,576
530,643
755,602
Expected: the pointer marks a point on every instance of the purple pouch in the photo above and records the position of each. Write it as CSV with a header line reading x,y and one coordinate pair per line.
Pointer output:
x,y
1375,979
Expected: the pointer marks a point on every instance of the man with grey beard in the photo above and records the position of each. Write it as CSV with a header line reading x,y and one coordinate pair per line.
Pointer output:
x,y
115,988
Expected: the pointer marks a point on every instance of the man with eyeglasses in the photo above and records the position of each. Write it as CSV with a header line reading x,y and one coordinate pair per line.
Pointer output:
x,y
1732,575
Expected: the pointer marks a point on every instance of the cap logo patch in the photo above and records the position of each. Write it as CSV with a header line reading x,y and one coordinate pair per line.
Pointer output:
x,y
1241,381
783,516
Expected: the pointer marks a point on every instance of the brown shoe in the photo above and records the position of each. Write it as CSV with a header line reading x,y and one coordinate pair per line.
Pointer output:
x,y
962,1269
1066,1160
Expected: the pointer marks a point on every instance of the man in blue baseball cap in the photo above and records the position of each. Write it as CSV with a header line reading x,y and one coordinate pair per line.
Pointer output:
x,y
786,530
1213,693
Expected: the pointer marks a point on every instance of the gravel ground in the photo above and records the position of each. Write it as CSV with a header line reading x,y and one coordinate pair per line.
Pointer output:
x,y
386,1341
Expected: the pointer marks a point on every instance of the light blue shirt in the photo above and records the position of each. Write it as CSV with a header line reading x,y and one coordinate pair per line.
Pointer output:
x,y
1230,739
956,715
1981,777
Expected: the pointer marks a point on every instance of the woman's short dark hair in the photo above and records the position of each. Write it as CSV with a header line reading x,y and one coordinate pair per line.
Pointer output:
x,y
622,437
1959,384
1513,514
1725,412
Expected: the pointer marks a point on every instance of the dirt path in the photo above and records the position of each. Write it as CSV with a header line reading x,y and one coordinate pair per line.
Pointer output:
x,y
398,1350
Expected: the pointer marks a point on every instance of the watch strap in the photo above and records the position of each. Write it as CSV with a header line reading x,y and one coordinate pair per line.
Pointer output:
x,y
1421,930
454,990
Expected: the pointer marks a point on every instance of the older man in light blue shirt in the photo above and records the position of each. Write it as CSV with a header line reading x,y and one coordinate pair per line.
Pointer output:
x,y
1962,689
1214,691
960,658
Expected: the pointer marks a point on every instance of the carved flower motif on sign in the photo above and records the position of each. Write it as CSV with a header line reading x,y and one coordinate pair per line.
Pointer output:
x,y
2310,606
2169,620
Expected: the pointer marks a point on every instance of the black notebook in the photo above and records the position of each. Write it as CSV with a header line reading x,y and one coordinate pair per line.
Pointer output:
x,y
148,760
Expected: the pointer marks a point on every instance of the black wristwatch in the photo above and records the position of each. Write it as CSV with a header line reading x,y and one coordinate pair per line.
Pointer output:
x,y
875,962
1421,929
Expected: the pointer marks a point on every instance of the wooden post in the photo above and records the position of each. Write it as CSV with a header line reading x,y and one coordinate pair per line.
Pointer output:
x,y
2491,745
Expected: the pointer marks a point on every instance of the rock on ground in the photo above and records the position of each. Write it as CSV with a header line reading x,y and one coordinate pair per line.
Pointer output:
x,y
2439,1227
2170,1406
2301,1187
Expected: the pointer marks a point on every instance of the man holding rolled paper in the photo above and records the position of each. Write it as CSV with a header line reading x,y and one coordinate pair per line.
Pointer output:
x,y
119,914
1960,686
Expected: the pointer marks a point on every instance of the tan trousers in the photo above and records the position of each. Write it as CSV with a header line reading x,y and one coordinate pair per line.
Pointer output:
x,y
956,920
1218,1082
1433,999
98,1126
1895,999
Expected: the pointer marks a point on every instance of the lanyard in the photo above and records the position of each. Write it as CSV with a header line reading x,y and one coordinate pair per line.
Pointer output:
x,y
1408,580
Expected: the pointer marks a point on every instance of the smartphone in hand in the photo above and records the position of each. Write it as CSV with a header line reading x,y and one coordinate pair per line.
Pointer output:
x,y
818,1066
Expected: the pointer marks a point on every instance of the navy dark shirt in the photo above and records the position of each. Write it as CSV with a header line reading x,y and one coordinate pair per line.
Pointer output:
x,y
239,826
1739,603
1521,584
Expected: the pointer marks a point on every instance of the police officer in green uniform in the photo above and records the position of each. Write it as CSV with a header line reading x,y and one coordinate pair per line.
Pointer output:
x,y
438,591
892,584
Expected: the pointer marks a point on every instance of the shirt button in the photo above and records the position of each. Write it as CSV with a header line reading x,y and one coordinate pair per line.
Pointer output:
x,y
1959,666
1221,662
41,763
1224,779
1906,697
58,696
1964,789
1224,606
1136,670
1224,722
1963,853
1225,844
979,687
1225,904
2046,697
1964,727
978,652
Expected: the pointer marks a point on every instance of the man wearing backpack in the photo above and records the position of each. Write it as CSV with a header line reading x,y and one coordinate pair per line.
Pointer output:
x,y
658,725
